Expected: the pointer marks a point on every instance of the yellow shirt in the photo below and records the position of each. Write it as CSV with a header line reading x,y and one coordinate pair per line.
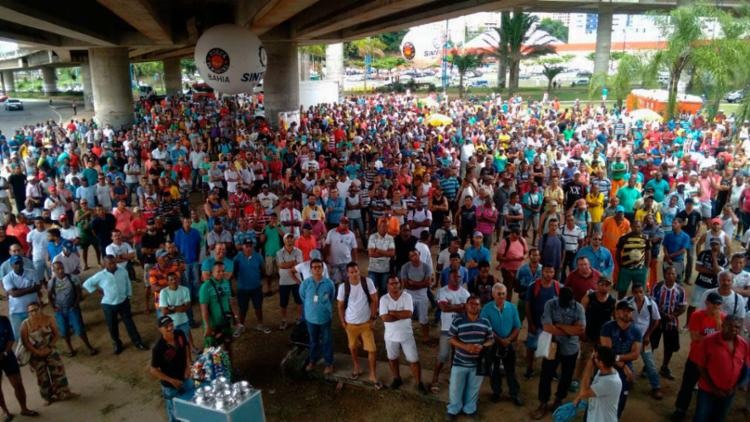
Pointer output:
x,y
596,206
640,215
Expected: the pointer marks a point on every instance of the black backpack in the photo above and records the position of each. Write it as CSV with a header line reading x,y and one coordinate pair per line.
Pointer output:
x,y
348,288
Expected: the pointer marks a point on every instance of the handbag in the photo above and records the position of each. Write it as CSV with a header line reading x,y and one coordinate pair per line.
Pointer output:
x,y
22,354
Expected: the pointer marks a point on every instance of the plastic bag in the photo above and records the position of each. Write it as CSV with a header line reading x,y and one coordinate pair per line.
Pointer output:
x,y
543,345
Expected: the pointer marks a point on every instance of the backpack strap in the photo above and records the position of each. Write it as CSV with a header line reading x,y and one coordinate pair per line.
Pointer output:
x,y
363,282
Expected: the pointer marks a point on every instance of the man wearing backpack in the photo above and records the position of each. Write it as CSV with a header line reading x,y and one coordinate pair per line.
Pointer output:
x,y
537,295
358,310
510,255
646,318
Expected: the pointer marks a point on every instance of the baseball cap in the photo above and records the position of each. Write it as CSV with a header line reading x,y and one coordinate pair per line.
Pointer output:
x,y
315,254
344,219
165,320
716,220
478,234
714,241
289,235
249,241
714,298
625,304
161,253
619,208
15,259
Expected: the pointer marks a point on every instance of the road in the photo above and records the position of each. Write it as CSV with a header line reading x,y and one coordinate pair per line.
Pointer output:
x,y
34,111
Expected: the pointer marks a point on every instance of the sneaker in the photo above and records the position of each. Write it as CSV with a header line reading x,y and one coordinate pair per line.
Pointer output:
x,y
666,373
238,330
262,329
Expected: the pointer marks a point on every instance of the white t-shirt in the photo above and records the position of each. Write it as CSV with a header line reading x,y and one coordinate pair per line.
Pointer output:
x,y
341,246
286,215
71,233
425,255
419,217
400,330
733,304
454,297
38,241
268,201
603,407
178,297
116,250
643,318
358,309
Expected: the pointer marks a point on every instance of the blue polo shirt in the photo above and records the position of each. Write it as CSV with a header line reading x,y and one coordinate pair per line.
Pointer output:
x,y
502,322
189,244
249,270
54,249
476,254
320,310
674,242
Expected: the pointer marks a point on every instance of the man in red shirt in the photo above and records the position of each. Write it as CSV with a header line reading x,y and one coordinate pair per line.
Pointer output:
x,y
702,323
583,279
721,358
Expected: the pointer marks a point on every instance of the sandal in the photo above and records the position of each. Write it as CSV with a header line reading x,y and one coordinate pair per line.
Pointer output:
x,y
356,375
378,385
435,388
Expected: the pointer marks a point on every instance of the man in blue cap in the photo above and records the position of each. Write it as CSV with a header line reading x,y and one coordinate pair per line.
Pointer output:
x,y
22,287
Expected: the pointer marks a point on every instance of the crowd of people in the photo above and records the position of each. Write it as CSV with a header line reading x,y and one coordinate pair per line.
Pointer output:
x,y
606,229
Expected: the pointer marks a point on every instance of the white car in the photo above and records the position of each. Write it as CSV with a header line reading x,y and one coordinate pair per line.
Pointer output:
x,y
13,104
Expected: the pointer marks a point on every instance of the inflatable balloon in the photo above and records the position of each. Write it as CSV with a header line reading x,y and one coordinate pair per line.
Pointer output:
x,y
422,46
230,58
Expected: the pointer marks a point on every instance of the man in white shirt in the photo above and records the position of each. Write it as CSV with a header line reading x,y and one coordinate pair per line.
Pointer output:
x,y
733,303
396,308
381,247
267,199
420,219
741,281
69,231
196,158
451,299
604,391
358,310
37,240
341,249
122,251
646,318
290,218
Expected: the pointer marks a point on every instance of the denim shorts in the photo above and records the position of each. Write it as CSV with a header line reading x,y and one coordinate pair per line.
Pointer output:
x,y
70,317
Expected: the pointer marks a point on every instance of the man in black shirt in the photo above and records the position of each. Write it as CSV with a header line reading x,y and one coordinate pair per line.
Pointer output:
x,y
17,182
5,243
170,364
692,219
103,224
405,242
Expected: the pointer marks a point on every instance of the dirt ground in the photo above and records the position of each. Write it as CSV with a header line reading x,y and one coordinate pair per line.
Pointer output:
x,y
118,388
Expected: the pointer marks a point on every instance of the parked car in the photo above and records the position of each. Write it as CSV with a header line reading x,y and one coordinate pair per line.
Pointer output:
x,y
13,104
3,97
479,83
581,81
735,96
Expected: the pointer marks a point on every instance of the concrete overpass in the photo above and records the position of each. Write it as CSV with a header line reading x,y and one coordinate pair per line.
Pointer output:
x,y
105,35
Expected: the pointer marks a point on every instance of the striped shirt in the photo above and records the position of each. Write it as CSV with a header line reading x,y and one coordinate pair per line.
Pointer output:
x,y
669,300
632,250
470,332
450,187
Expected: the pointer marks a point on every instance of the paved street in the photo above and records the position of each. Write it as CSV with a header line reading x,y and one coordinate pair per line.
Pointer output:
x,y
34,111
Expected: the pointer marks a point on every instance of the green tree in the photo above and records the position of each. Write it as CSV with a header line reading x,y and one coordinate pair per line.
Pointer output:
x,y
513,45
315,54
550,72
392,40
687,47
463,63
369,46
629,68
188,66
555,28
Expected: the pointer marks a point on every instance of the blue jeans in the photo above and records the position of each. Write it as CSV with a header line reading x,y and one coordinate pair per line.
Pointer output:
x,y
464,390
15,323
380,280
712,408
320,338
650,368
169,393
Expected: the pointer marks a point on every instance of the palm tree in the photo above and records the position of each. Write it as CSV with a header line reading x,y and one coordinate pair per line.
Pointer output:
x,y
629,68
372,47
464,63
687,49
551,72
515,43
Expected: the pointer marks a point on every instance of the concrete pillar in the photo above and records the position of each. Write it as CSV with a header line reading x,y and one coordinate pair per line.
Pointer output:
x,y
88,94
335,64
603,40
9,82
281,84
110,80
49,76
172,76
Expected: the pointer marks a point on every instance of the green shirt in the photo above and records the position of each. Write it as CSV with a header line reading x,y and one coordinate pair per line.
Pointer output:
x,y
627,197
273,241
218,304
202,227
618,170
